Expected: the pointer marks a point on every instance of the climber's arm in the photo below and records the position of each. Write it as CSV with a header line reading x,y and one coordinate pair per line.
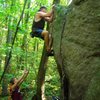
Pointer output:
x,y
49,19
48,14
43,14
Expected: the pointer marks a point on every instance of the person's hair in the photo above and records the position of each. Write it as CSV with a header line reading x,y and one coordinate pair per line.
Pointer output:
x,y
42,7
12,80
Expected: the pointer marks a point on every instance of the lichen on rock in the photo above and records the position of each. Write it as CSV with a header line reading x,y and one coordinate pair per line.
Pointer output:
x,y
76,37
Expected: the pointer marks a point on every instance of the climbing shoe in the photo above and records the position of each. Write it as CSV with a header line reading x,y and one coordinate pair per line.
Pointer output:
x,y
51,53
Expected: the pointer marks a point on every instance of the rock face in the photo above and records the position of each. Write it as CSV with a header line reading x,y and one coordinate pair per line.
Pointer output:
x,y
76,43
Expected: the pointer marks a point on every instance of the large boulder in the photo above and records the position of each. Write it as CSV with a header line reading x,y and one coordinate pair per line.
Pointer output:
x,y
76,42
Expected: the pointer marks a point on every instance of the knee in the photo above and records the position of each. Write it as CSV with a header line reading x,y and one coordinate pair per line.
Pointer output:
x,y
46,34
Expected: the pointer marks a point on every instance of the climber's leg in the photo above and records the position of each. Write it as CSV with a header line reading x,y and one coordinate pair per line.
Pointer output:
x,y
45,35
48,43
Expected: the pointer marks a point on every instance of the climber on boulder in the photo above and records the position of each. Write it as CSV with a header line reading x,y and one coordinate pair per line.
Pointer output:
x,y
38,27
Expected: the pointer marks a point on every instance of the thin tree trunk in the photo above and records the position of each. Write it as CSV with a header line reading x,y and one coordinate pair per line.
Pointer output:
x,y
8,42
23,59
41,75
1,55
56,1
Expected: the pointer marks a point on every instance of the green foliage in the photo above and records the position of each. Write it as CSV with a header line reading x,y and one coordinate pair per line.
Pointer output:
x,y
52,83
26,51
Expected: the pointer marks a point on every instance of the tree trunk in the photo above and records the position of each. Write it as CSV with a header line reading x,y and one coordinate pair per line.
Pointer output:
x,y
8,42
23,58
76,43
1,38
56,1
41,75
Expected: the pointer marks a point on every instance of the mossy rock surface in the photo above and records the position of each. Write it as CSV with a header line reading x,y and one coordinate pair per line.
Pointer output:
x,y
79,47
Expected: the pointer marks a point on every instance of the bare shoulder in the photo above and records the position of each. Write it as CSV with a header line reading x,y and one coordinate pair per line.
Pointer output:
x,y
37,17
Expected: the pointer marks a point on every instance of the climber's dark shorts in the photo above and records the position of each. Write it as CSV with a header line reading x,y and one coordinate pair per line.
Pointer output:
x,y
37,33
